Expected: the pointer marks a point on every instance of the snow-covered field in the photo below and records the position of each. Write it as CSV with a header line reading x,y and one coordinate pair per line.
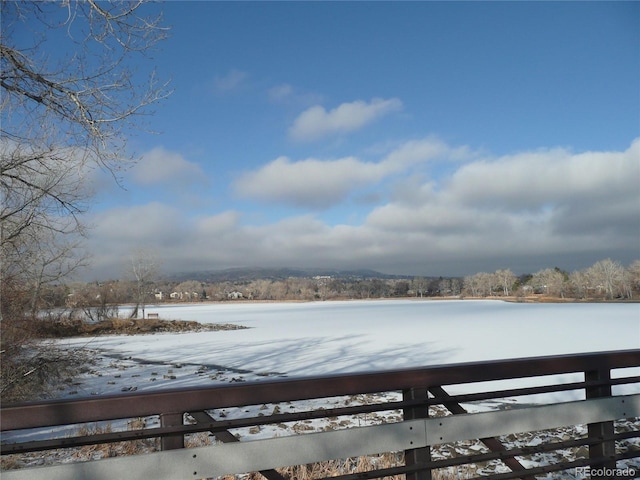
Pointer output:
x,y
303,339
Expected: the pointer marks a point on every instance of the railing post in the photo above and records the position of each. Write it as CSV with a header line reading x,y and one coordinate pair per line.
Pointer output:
x,y
171,442
417,455
604,449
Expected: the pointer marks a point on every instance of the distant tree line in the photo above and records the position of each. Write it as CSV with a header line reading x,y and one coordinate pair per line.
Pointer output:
x,y
605,280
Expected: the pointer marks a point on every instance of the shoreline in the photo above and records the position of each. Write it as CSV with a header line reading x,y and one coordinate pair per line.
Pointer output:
x,y
510,299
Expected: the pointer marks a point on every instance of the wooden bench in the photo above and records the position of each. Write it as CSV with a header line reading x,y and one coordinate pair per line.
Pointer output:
x,y
153,315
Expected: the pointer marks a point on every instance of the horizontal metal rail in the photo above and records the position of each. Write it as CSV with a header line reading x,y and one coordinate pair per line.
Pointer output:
x,y
242,457
416,434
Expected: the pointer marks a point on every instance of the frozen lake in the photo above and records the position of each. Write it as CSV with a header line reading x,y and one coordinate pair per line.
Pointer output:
x,y
300,339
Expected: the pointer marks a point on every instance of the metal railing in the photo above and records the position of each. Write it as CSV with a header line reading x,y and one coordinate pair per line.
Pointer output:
x,y
420,412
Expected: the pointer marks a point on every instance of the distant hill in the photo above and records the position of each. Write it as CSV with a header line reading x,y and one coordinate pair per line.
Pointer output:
x,y
247,274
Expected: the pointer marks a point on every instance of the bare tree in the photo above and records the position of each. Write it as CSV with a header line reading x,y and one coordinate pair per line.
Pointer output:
x,y
72,89
505,279
419,285
580,282
486,283
42,196
262,289
471,285
444,287
97,301
89,91
69,100
550,280
144,268
55,258
634,274
608,275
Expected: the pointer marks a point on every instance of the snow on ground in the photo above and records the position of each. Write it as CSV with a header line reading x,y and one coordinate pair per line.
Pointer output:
x,y
320,338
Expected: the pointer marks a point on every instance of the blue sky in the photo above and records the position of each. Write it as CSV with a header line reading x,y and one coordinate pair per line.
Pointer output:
x,y
420,138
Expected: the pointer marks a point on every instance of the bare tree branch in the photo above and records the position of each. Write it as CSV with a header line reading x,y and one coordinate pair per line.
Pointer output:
x,y
74,85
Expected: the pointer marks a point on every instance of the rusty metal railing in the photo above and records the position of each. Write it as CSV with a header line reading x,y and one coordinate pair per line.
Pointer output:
x,y
421,394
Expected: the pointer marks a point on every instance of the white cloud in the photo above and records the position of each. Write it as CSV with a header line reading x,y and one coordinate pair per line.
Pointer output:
x,y
289,95
316,122
318,183
310,183
545,203
160,166
230,81
123,225
280,93
418,151
556,208
218,224
547,177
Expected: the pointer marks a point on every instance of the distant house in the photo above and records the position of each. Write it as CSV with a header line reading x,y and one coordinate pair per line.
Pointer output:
x,y
184,295
159,295
234,295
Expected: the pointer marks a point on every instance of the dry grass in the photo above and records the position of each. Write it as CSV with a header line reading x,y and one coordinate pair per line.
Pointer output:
x,y
334,468
85,453
33,370
72,327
